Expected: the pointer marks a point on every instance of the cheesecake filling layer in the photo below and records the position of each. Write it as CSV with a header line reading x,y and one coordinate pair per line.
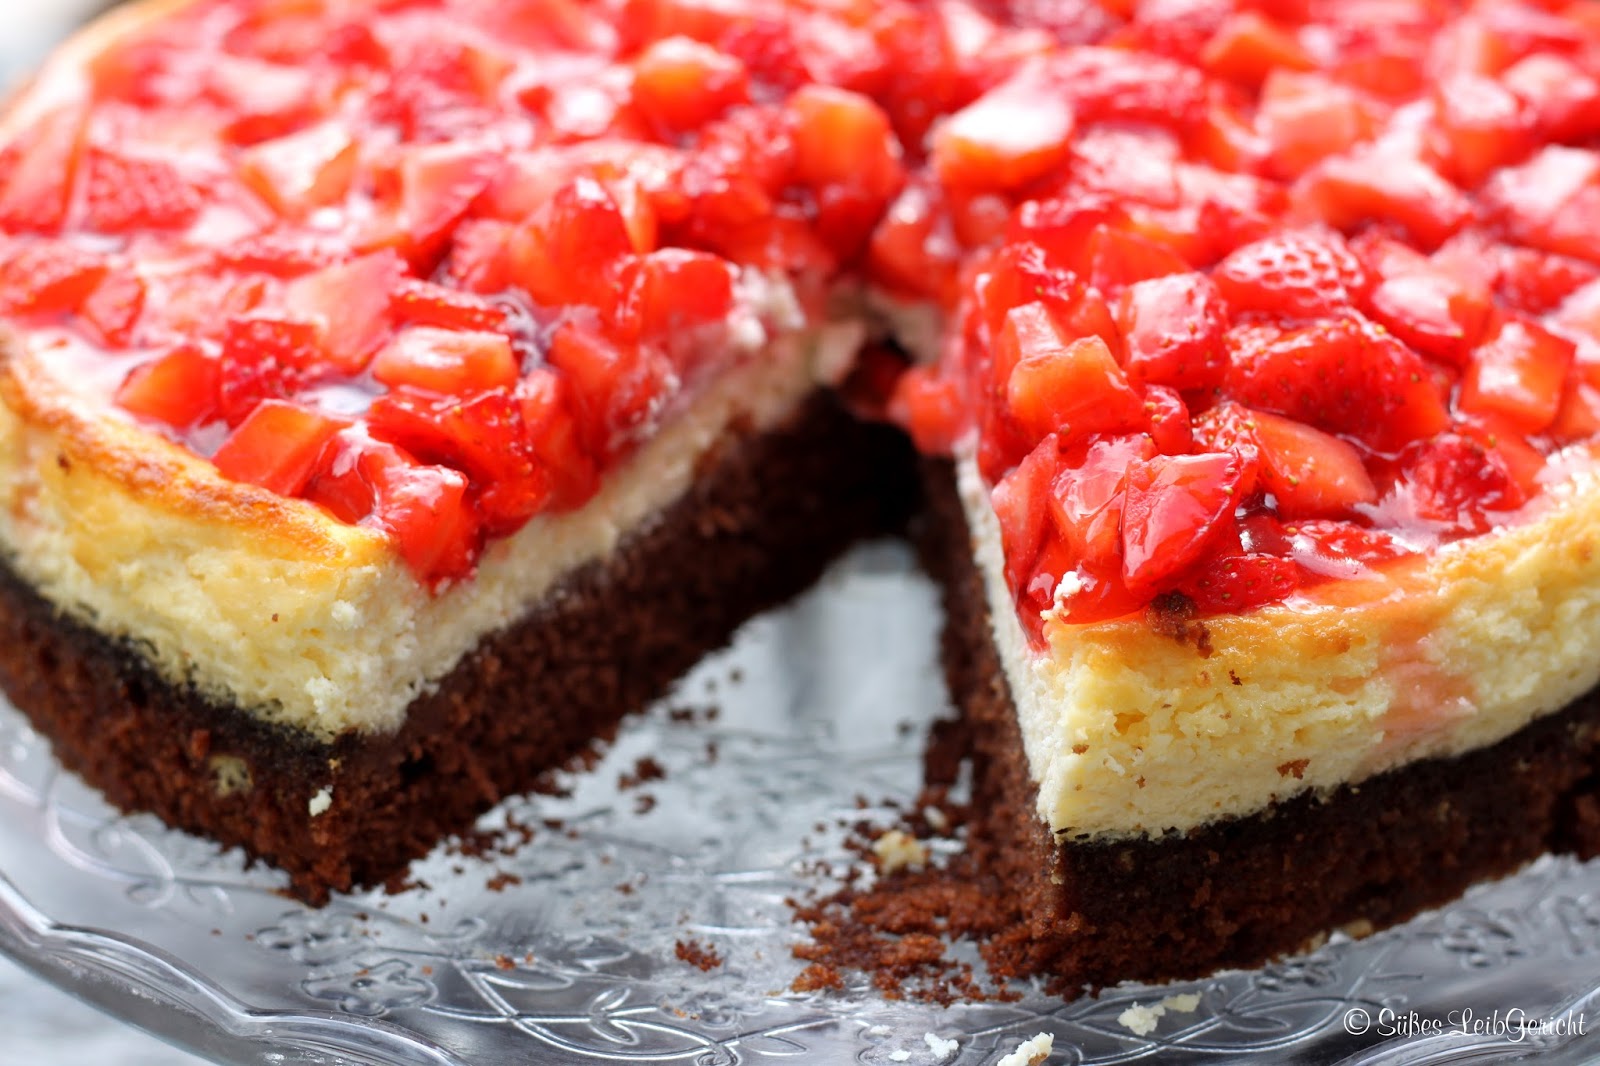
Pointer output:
x,y
340,636
1140,727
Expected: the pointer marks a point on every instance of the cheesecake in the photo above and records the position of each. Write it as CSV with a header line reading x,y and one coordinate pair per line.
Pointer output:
x,y
394,396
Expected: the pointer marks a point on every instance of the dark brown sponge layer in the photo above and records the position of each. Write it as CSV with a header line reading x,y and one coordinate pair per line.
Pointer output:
x,y
766,514
1240,891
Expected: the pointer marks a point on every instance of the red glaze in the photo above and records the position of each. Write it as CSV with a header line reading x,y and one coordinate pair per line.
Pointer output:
x,y
1240,299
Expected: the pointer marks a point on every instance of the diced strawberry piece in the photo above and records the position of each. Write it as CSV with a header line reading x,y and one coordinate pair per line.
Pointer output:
x,y
46,276
1021,503
1483,125
1019,274
1309,472
125,193
642,21
1172,329
264,357
1457,483
1518,373
41,164
617,389
1537,282
527,180
1174,505
1227,139
257,336
178,388
1579,415
427,510
346,481
1546,201
280,252
681,84
447,361
483,436
1062,227
1579,313
1354,188
1233,583
1111,85
673,291
929,406
1299,274
1500,435
1057,383
1434,310
480,255
426,304
1306,117
1118,259
277,447
551,433
563,254
438,182
1431,313
1468,45
1014,134
113,309
1085,498
1563,99
262,100
1168,418
1345,376
1249,46
843,138
911,250
302,171
351,302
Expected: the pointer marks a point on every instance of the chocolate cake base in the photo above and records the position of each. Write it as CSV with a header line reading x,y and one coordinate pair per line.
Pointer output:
x,y
766,514
1240,891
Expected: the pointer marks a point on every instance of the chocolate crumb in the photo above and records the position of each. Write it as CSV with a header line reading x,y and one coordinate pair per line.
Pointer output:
x,y
701,956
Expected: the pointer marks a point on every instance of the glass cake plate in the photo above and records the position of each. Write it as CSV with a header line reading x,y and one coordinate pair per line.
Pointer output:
x,y
564,950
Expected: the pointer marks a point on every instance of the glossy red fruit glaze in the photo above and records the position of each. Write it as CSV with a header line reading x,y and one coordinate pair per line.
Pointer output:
x,y
1173,507
1172,329
1347,249
277,446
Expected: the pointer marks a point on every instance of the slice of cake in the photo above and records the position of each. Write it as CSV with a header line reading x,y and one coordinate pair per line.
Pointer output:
x,y
397,395
1269,529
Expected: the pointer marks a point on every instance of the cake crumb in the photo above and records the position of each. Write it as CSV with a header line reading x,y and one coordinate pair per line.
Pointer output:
x,y
1030,1052
644,769
937,820
899,1055
321,801
817,977
700,956
1141,1021
942,1049
897,850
